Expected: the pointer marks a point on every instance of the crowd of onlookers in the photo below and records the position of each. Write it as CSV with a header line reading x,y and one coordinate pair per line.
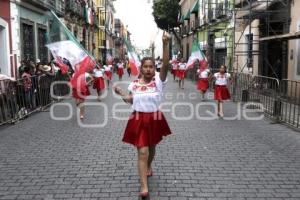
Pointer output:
x,y
30,90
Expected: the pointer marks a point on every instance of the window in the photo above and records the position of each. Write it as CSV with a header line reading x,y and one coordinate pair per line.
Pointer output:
x,y
298,57
249,41
27,35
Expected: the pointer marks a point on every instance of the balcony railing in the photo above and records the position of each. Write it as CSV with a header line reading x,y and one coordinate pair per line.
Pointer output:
x,y
58,6
75,8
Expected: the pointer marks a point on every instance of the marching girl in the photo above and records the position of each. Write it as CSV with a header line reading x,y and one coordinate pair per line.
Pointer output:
x,y
99,83
108,73
174,69
181,73
80,90
221,90
147,125
203,77
120,70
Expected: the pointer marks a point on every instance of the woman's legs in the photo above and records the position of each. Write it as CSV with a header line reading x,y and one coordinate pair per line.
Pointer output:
x,y
81,107
220,108
143,155
99,94
151,157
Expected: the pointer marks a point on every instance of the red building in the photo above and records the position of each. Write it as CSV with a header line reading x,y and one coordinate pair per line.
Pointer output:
x,y
7,61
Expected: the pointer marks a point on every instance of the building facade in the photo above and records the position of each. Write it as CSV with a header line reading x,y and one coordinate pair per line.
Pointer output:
x,y
7,61
106,33
29,26
209,22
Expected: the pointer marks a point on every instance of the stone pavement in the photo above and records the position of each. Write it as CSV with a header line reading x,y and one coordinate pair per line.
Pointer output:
x,y
41,158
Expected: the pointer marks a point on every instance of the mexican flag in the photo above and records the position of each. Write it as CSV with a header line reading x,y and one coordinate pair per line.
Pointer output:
x,y
134,61
64,45
196,54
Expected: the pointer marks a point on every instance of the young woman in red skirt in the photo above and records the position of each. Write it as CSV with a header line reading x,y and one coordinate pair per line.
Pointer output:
x,y
181,73
120,70
99,83
221,90
174,69
108,73
80,90
203,77
147,125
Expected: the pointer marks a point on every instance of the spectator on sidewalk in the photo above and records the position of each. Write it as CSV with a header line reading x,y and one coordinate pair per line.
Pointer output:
x,y
28,89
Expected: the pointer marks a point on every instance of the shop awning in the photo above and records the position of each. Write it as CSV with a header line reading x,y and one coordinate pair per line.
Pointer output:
x,y
195,7
188,15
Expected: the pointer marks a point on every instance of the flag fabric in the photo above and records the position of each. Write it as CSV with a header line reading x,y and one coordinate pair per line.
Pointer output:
x,y
64,68
134,61
197,54
64,45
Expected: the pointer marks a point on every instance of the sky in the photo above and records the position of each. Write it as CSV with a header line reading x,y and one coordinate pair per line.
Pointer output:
x,y
137,14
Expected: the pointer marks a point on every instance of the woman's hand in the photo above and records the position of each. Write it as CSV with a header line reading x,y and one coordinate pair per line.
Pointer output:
x,y
118,90
165,65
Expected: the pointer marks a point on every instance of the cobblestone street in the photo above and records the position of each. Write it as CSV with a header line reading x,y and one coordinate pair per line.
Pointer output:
x,y
41,158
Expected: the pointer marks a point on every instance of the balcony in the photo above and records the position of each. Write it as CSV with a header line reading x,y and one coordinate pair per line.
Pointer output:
x,y
221,10
57,6
74,8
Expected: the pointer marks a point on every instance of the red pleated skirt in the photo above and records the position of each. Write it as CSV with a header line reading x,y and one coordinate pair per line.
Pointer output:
x,y
202,84
99,83
82,93
221,92
120,71
174,72
108,74
181,74
146,129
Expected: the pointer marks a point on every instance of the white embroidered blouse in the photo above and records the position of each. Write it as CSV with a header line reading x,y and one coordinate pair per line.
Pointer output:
x,y
147,97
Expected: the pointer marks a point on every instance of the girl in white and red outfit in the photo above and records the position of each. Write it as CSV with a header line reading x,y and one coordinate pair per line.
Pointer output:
x,y
99,83
120,70
108,73
181,73
221,90
80,90
175,65
147,125
203,77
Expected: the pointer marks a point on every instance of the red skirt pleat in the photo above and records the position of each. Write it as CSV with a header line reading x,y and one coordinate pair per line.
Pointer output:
x,y
108,74
146,129
99,83
202,85
221,92
120,71
181,74
81,94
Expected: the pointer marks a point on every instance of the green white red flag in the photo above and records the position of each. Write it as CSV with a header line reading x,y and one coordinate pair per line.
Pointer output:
x,y
64,45
134,61
197,54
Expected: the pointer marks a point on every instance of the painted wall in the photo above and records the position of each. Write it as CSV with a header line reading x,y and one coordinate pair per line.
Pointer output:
x,y
6,61
294,45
